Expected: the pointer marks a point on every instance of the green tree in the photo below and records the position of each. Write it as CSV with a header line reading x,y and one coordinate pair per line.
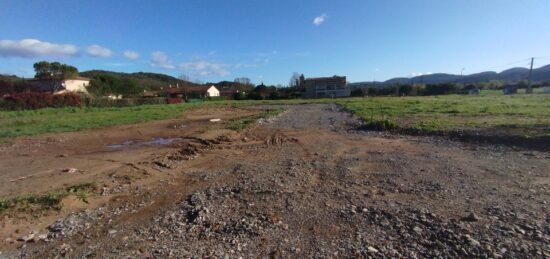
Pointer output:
x,y
405,89
54,70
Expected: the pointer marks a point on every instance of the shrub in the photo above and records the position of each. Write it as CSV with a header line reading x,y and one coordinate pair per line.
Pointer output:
x,y
440,89
125,102
68,99
33,100
383,124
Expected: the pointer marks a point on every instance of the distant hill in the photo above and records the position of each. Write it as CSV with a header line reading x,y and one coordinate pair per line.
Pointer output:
x,y
512,75
149,81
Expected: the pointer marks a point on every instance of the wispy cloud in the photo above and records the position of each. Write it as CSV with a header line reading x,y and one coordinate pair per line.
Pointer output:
x,y
98,51
319,19
204,68
29,48
131,54
160,59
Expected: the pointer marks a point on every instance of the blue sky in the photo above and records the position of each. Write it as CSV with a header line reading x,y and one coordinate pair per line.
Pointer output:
x,y
212,40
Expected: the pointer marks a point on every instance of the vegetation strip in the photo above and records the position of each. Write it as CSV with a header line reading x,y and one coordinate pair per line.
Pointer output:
x,y
242,123
50,199
525,115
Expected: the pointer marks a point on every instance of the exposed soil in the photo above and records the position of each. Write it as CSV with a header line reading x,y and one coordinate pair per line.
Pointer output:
x,y
304,184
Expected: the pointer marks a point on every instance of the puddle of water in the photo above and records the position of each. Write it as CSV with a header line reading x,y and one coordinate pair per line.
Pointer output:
x,y
123,144
155,141
179,126
161,141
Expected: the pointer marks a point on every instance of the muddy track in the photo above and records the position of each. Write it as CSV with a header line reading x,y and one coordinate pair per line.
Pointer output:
x,y
308,185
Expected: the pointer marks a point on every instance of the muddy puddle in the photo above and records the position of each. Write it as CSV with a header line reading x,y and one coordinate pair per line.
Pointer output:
x,y
159,141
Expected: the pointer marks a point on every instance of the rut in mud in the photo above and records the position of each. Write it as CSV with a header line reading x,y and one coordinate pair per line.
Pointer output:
x,y
308,184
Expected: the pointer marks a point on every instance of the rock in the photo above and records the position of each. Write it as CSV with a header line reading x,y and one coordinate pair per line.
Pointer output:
x,y
112,231
27,238
417,230
104,191
471,240
372,249
64,249
472,217
70,170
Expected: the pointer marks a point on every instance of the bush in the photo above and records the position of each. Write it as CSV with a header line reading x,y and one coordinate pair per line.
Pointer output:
x,y
125,102
63,100
440,89
33,100
383,124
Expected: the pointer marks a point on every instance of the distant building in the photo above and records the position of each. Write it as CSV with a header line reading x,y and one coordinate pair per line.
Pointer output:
x,y
545,89
510,89
325,87
212,91
192,92
54,86
228,91
472,89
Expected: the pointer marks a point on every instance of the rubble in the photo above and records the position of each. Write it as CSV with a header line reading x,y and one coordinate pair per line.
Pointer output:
x,y
319,194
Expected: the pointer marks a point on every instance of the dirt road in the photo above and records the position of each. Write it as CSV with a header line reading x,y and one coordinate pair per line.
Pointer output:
x,y
307,184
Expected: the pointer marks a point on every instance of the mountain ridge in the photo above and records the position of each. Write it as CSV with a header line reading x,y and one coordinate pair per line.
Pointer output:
x,y
514,74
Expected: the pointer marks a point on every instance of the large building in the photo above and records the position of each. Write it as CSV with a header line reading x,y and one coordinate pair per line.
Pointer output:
x,y
74,85
325,87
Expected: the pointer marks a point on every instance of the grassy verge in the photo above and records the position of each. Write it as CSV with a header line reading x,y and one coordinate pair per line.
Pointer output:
x,y
525,115
31,122
242,123
50,200
51,120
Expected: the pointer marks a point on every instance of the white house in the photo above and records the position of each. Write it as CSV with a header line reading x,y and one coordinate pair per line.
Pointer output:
x,y
78,84
74,85
213,92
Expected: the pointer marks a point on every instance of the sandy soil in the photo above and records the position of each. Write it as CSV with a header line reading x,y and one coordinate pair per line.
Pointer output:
x,y
304,184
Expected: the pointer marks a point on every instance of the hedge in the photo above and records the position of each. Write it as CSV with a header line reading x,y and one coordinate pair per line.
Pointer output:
x,y
34,100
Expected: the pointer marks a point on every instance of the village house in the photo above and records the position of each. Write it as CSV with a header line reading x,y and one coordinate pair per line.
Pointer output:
x,y
56,86
326,87
212,91
192,92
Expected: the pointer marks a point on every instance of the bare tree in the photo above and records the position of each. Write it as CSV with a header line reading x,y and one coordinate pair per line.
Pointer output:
x,y
295,80
243,80
185,78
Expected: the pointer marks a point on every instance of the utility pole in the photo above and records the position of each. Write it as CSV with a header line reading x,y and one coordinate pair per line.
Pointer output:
x,y
529,87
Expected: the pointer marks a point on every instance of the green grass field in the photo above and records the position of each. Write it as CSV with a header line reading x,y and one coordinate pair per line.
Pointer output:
x,y
31,122
521,114
50,120
491,111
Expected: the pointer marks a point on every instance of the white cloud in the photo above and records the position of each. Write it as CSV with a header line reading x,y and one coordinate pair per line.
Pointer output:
x,y
160,59
204,68
99,51
319,19
131,54
413,74
28,48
